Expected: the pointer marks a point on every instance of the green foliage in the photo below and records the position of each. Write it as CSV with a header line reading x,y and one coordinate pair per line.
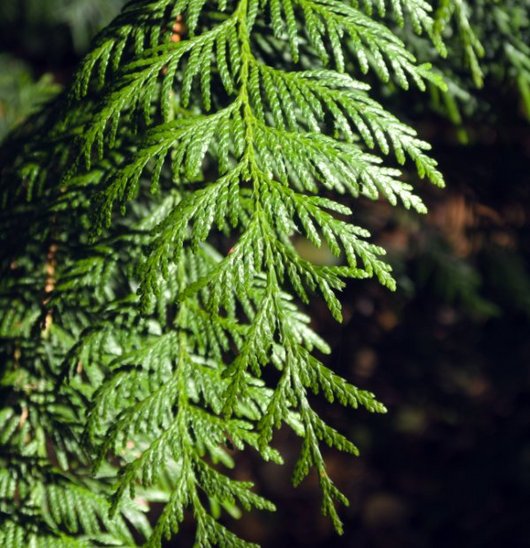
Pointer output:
x,y
491,38
152,290
82,18
20,94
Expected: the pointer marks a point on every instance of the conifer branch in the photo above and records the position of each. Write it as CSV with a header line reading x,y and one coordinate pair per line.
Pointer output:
x,y
192,150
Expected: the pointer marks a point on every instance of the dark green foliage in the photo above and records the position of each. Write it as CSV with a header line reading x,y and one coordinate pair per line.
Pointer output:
x,y
20,95
490,40
81,18
150,276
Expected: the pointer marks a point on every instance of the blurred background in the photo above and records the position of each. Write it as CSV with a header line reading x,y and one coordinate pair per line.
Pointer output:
x,y
449,465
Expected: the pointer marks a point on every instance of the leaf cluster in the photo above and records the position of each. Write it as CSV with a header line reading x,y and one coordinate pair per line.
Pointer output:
x,y
155,297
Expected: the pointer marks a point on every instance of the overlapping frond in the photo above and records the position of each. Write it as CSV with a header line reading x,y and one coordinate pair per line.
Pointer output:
x,y
188,157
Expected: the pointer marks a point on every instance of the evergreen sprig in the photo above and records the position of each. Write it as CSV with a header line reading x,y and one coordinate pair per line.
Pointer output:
x,y
151,273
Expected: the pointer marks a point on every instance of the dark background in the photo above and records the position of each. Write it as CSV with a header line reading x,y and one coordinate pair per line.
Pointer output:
x,y
449,465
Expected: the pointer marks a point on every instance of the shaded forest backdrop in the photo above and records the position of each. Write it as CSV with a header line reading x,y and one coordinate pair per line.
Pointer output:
x,y
449,465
